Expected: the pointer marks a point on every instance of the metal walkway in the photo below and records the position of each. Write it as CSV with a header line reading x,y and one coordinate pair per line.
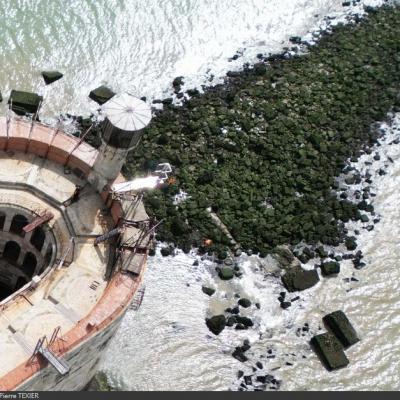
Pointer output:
x,y
57,362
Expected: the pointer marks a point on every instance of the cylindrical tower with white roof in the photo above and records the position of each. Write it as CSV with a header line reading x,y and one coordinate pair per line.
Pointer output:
x,y
125,118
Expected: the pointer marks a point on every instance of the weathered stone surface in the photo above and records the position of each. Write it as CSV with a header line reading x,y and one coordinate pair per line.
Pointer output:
x,y
330,268
341,327
330,351
216,324
51,76
24,102
298,279
101,94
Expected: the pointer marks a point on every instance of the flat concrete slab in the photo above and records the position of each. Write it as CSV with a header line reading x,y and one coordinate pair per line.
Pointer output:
x,y
341,327
330,351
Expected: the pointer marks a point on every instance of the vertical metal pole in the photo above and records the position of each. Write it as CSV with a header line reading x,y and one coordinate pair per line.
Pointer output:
x,y
8,123
57,128
31,127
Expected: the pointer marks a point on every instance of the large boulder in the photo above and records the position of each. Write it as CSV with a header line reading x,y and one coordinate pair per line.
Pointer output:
x,y
51,76
330,351
216,324
101,94
298,279
341,327
24,102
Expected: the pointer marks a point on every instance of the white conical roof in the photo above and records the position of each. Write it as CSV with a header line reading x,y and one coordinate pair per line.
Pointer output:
x,y
127,112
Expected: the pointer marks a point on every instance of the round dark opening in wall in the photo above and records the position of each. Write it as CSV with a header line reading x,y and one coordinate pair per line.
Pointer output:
x,y
22,254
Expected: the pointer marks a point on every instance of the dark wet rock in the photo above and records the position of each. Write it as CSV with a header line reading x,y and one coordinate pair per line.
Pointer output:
x,y
207,290
351,243
225,273
24,102
168,101
258,305
321,252
295,39
265,378
216,324
235,310
248,380
240,374
195,263
244,302
231,321
259,365
51,76
244,320
152,252
341,327
239,355
295,299
286,304
240,327
330,268
177,82
166,251
246,346
101,94
330,351
298,279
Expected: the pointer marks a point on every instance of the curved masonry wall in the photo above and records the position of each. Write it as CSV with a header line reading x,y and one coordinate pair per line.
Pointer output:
x,y
83,344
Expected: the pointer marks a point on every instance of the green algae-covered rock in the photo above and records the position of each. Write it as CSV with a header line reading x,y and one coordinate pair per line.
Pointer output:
x,y
24,102
207,290
297,279
330,268
225,273
266,148
51,76
341,327
101,94
330,351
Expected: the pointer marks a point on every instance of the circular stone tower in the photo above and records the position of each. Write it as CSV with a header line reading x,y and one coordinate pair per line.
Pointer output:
x,y
122,128
66,279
